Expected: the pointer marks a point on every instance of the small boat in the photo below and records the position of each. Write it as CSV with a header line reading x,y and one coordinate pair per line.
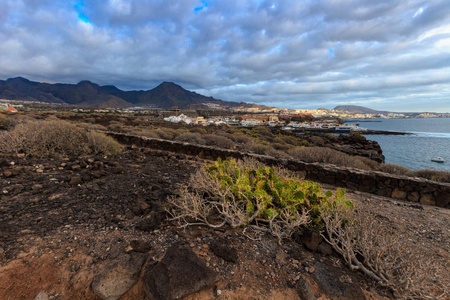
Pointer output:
x,y
438,159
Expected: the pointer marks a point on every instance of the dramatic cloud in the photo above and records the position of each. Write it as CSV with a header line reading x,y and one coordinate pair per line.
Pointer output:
x,y
385,54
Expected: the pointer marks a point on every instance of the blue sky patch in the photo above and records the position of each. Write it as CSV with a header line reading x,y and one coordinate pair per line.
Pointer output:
x,y
79,8
200,8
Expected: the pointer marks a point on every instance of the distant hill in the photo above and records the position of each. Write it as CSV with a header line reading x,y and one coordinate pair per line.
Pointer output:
x,y
86,93
358,109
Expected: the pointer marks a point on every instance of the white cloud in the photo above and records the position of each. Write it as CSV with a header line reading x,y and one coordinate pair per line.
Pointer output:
x,y
293,53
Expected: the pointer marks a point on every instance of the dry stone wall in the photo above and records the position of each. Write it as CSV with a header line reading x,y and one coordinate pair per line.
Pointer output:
x,y
399,187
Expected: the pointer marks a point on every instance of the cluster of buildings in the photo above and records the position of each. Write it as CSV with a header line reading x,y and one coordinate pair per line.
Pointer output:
x,y
9,108
288,122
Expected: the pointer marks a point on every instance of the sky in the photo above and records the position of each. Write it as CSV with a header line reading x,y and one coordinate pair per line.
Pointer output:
x,y
384,54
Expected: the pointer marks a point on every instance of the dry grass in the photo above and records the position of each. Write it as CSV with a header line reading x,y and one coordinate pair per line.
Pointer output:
x,y
441,176
191,137
396,169
55,137
329,156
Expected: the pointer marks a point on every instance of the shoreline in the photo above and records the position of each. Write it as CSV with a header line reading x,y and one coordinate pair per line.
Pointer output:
x,y
363,132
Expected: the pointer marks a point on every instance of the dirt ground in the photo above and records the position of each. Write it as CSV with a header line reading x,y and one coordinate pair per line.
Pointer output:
x,y
62,220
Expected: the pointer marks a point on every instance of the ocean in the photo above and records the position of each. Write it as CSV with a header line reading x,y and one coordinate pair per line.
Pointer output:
x,y
429,138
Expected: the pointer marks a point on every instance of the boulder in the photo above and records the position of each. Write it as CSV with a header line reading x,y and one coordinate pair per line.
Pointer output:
x,y
118,276
179,274
223,249
139,246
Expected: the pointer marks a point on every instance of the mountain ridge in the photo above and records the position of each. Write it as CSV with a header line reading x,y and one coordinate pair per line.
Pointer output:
x,y
87,93
358,109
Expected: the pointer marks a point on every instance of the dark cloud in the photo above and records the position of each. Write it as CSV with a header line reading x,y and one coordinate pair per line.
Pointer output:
x,y
294,53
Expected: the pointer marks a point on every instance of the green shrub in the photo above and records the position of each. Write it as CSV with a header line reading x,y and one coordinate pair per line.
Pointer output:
x,y
230,193
55,137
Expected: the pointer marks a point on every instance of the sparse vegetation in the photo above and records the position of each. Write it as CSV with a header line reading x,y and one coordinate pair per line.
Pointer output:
x,y
441,176
329,156
367,246
56,137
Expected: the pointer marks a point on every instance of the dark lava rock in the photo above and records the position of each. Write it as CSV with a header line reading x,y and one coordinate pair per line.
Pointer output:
x,y
311,238
304,291
4,163
162,194
223,249
76,180
118,276
443,200
178,274
140,246
327,278
150,222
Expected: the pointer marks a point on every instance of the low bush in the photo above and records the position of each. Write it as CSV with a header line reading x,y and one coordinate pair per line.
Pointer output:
x,y
192,138
277,153
368,246
99,142
218,141
395,169
56,137
198,130
289,139
249,194
282,147
4,122
329,156
166,133
435,175
258,148
240,138
317,140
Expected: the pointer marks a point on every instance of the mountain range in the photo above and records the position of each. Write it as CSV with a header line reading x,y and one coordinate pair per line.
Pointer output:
x,y
86,93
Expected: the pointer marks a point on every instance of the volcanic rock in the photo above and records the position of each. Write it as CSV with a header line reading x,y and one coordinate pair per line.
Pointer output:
x,y
117,277
179,274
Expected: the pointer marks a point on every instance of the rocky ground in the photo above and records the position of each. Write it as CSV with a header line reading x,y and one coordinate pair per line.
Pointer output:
x,y
71,229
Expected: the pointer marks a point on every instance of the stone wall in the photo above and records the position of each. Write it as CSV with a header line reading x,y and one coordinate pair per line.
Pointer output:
x,y
399,187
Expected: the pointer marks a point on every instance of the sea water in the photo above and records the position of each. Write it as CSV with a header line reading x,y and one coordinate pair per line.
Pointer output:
x,y
430,137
